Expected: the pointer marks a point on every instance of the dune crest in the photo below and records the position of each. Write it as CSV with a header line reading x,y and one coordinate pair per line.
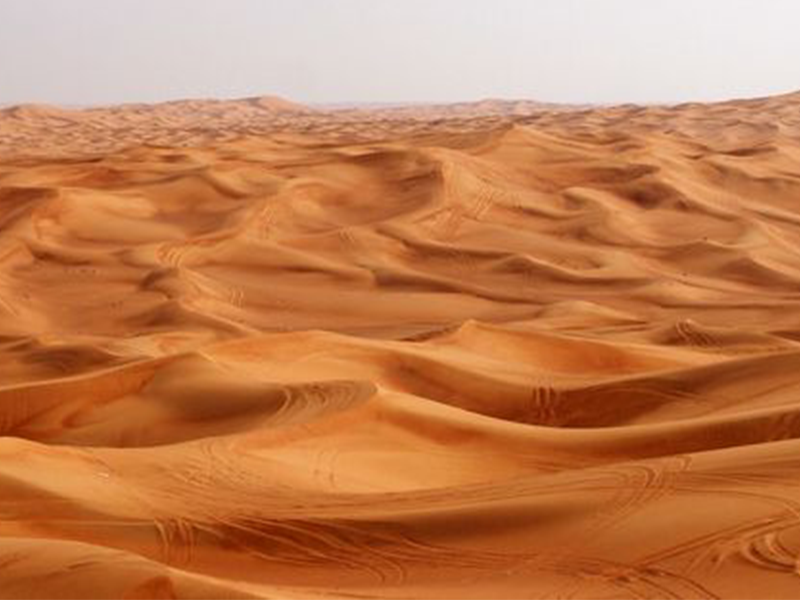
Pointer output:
x,y
499,349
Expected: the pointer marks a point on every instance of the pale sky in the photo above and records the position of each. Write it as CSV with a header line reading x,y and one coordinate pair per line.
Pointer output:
x,y
78,52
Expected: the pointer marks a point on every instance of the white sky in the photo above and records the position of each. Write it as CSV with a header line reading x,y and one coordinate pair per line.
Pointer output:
x,y
108,51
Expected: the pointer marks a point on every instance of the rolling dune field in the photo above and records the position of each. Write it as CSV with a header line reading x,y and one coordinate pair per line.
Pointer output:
x,y
252,349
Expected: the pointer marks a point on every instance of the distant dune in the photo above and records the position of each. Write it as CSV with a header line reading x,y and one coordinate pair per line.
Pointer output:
x,y
501,349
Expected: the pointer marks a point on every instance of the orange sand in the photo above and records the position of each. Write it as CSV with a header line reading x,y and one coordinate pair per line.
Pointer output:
x,y
509,350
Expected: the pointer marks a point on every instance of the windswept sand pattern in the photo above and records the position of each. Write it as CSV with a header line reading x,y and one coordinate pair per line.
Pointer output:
x,y
505,350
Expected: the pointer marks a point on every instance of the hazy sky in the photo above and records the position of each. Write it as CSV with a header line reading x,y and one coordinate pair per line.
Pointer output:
x,y
107,51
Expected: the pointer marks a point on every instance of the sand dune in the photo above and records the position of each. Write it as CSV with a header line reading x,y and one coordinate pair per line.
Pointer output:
x,y
255,349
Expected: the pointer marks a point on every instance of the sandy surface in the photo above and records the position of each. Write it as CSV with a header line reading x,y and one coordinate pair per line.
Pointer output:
x,y
251,349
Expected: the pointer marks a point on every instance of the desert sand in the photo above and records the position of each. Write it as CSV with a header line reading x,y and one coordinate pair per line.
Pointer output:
x,y
252,349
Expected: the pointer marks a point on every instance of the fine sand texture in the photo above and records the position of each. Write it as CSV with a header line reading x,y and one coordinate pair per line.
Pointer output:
x,y
252,349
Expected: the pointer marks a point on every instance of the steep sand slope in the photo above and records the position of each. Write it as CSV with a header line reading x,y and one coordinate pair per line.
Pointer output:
x,y
363,355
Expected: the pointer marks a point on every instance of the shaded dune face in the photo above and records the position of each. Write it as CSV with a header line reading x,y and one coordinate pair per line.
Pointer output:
x,y
496,350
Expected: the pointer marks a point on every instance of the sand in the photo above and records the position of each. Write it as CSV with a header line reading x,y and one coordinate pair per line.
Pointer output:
x,y
252,349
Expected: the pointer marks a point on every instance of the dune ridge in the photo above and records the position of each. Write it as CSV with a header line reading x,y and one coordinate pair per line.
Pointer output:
x,y
257,350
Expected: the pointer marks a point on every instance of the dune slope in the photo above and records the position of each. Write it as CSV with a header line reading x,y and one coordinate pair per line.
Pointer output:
x,y
251,349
